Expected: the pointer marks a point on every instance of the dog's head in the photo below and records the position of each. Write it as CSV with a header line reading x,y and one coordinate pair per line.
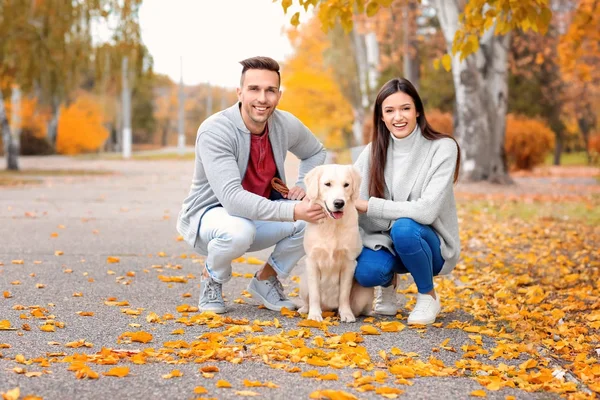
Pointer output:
x,y
334,187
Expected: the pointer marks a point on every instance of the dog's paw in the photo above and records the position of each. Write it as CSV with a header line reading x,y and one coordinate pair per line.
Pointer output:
x,y
315,316
347,316
303,310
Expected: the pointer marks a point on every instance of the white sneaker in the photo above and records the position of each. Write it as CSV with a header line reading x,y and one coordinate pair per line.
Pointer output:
x,y
385,302
425,311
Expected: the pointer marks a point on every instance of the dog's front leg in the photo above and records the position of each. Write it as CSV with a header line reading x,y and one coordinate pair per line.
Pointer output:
x,y
346,278
313,277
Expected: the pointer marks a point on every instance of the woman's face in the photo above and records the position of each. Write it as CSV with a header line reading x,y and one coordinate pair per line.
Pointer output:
x,y
399,114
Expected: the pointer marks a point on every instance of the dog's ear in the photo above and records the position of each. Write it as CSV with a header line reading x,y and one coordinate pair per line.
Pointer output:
x,y
356,179
311,181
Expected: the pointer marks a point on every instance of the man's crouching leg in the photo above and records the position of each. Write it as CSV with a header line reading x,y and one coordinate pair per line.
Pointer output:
x,y
225,238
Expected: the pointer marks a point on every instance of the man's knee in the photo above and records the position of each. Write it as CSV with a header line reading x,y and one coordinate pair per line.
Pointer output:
x,y
238,239
406,235
299,228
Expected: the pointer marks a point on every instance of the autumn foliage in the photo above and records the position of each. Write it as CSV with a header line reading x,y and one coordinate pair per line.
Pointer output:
x,y
527,141
440,121
80,127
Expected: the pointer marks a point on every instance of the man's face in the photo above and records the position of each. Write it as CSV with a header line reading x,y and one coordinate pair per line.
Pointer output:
x,y
259,96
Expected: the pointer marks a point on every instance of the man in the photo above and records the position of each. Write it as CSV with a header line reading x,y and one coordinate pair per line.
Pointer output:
x,y
231,207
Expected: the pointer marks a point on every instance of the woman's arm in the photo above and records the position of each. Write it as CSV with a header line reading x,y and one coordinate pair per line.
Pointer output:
x,y
425,209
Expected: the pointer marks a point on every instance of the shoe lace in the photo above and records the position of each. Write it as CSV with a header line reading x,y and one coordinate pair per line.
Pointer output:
x,y
279,289
213,290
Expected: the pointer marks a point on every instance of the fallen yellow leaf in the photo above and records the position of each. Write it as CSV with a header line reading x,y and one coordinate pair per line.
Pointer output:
x,y
118,372
223,384
478,393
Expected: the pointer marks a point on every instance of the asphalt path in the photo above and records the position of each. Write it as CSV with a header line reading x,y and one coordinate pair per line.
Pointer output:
x,y
55,241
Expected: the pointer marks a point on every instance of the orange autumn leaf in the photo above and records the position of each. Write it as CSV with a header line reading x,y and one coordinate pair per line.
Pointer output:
x,y
47,328
113,260
369,330
139,336
118,372
223,384
330,394
254,261
5,325
478,393
173,374
200,390
85,313
246,393
175,279
209,368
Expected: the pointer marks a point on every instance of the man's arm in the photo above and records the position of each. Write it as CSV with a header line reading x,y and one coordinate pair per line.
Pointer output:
x,y
223,175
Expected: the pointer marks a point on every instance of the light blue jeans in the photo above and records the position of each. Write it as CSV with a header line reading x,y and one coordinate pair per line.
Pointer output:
x,y
223,238
417,250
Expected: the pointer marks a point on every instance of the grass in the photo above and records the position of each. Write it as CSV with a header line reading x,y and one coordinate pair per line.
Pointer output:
x,y
587,213
578,158
139,157
29,176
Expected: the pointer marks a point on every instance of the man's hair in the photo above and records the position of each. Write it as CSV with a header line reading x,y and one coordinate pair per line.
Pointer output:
x,y
265,63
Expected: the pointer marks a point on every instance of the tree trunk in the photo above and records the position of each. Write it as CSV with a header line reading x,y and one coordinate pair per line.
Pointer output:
x,y
11,148
53,123
558,147
481,87
165,135
586,122
410,57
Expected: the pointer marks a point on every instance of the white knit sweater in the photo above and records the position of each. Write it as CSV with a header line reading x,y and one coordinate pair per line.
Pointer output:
x,y
422,189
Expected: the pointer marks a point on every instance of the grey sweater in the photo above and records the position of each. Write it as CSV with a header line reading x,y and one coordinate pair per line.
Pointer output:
x,y
222,154
422,189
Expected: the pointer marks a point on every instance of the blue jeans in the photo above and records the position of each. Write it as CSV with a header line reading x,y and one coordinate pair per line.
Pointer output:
x,y
223,237
418,252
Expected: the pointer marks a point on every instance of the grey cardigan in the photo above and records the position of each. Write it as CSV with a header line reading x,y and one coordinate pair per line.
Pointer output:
x,y
421,189
222,154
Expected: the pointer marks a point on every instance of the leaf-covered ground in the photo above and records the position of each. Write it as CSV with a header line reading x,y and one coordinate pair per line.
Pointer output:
x,y
98,300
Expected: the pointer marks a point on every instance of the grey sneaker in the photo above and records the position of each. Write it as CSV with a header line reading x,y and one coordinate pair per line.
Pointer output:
x,y
270,293
211,296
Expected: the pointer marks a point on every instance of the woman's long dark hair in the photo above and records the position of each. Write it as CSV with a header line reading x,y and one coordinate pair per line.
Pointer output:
x,y
380,136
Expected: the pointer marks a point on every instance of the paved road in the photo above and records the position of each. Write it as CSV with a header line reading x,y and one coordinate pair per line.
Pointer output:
x,y
131,214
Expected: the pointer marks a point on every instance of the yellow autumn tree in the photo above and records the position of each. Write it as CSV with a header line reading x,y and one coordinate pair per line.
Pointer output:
x,y
80,127
310,90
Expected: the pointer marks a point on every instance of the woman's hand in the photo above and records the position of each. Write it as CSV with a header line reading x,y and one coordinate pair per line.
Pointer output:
x,y
361,205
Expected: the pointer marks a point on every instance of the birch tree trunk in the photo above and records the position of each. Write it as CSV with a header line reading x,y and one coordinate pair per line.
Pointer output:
x,y
410,56
11,148
366,55
481,87
362,102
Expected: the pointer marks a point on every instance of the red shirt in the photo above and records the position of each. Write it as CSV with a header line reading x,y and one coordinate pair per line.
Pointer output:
x,y
261,165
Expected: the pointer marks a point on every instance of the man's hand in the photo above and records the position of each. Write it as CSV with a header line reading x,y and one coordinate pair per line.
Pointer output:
x,y
308,212
295,193
361,205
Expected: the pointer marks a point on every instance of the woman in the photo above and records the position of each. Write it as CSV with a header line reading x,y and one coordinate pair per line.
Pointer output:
x,y
408,214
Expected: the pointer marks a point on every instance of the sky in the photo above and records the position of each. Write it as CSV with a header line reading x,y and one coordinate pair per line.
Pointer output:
x,y
212,36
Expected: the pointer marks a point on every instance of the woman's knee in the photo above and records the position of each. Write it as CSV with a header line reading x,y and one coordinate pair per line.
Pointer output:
x,y
406,236
374,270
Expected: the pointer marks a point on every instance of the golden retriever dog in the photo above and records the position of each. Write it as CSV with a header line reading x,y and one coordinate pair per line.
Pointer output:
x,y
332,246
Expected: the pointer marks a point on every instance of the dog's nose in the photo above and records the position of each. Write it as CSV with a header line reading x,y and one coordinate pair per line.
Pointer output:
x,y
338,204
